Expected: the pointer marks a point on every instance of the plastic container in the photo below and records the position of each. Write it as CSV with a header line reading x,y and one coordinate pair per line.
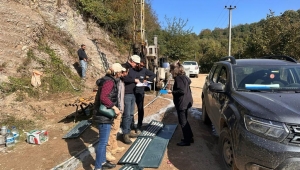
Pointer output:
x,y
15,133
166,65
3,130
163,91
2,140
10,141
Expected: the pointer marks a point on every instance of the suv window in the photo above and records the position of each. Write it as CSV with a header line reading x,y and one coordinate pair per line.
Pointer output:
x,y
267,77
216,74
212,71
223,76
189,63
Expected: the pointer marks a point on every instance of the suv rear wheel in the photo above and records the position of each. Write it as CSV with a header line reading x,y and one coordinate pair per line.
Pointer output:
x,y
225,144
205,117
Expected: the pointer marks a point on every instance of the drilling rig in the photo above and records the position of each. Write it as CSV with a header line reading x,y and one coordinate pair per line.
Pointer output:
x,y
141,47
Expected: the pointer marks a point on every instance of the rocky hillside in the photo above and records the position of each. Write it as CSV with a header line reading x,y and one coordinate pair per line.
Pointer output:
x,y
30,25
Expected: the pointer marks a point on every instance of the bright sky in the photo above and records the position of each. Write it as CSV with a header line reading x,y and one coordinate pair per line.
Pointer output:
x,y
203,14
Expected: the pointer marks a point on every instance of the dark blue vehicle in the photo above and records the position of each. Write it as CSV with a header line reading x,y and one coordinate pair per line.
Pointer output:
x,y
254,105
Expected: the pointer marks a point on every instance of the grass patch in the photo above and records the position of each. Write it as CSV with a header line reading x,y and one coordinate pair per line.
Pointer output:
x,y
20,96
52,81
3,65
21,124
56,80
19,85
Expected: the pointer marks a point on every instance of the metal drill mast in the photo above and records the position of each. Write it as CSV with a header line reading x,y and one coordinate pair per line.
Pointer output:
x,y
139,27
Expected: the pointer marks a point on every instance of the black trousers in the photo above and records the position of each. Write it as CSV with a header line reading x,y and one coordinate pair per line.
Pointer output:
x,y
185,126
139,100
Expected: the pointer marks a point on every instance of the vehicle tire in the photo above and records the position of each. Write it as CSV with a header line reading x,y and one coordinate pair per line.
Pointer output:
x,y
205,117
196,75
226,149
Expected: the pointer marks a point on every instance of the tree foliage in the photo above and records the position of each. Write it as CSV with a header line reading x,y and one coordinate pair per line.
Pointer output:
x,y
177,39
116,16
273,35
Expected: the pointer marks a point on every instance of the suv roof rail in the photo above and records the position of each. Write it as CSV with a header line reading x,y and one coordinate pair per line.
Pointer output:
x,y
229,58
281,57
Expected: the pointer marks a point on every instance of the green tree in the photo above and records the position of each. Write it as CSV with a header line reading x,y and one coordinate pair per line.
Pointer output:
x,y
178,40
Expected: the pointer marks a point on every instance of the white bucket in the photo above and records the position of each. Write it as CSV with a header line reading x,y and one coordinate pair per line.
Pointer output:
x,y
3,130
2,140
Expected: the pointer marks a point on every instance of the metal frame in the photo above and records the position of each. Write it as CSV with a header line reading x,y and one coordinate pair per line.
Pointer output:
x,y
281,57
230,58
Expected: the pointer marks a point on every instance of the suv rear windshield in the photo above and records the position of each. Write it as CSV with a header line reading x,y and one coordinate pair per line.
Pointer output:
x,y
189,63
267,77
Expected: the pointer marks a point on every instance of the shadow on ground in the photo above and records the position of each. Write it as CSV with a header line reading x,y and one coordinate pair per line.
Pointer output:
x,y
77,67
78,145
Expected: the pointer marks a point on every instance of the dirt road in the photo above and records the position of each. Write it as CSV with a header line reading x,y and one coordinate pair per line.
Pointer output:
x,y
203,154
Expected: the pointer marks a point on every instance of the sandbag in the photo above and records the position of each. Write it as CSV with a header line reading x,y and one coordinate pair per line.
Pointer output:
x,y
36,78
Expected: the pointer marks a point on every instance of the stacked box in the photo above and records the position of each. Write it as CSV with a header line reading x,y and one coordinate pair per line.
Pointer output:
x,y
37,136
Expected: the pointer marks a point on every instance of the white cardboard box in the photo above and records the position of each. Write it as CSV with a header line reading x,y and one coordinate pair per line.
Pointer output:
x,y
37,136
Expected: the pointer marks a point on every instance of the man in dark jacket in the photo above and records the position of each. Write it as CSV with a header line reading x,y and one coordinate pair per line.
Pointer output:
x,y
83,61
144,75
129,98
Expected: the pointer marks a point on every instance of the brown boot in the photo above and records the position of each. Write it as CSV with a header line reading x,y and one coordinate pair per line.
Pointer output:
x,y
133,135
110,157
127,139
117,150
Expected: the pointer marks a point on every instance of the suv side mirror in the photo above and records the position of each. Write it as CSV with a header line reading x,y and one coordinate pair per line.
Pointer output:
x,y
216,87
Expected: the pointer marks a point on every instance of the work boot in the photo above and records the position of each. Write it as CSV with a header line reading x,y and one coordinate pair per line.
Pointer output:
x,y
138,129
127,139
108,165
110,157
133,135
132,126
117,150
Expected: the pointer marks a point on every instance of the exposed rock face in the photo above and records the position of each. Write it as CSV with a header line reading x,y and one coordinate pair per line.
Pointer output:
x,y
24,22
20,29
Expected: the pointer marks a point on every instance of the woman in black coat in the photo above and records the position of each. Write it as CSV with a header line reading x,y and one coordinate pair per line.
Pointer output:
x,y
182,98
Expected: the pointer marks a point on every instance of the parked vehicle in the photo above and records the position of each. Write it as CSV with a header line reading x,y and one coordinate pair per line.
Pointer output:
x,y
254,106
192,66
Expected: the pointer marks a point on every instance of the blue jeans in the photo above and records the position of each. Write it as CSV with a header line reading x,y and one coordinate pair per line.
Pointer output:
x,y
129,102
104,131
83,65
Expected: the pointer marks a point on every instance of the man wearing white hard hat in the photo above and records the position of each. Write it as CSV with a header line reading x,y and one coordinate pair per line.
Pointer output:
x,y
129,99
